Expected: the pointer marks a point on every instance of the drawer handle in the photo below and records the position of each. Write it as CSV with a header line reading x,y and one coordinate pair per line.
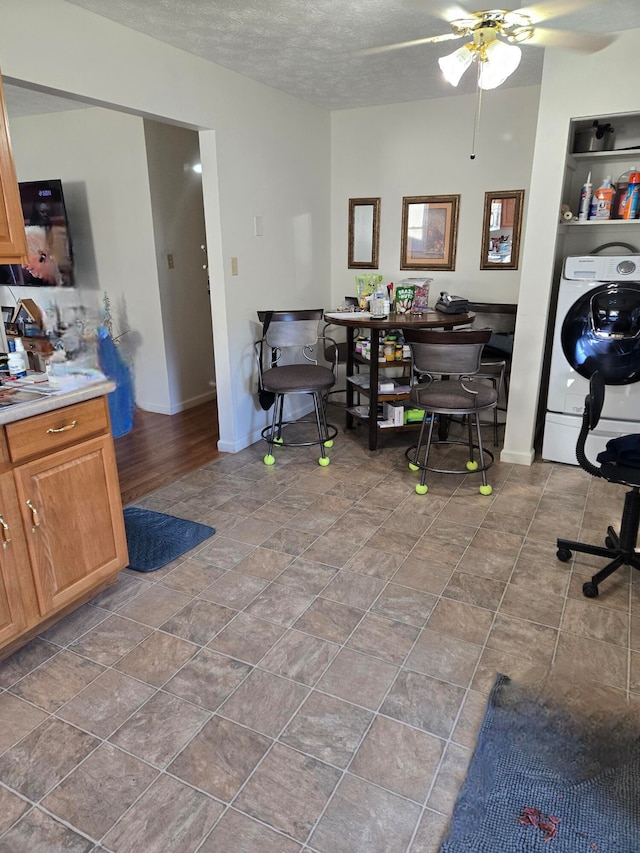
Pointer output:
x,y
35,522
63,429
5,533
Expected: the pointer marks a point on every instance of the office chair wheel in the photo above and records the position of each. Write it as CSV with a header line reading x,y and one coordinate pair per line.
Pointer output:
x,y
589,590
472,465
324,461
329,443
413,467
564,555
421,490
486,490
609,543
269,459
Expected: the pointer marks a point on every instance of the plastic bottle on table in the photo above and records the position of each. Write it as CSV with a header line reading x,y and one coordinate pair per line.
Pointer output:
x,y
16,362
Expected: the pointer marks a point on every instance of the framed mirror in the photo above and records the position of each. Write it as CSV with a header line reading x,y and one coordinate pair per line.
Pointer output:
x,y
364,233
501,227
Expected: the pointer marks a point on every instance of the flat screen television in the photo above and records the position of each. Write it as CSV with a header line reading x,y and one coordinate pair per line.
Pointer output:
x,y
49,247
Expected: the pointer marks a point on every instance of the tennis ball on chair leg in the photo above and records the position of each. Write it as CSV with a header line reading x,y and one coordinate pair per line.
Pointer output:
x,y
269,459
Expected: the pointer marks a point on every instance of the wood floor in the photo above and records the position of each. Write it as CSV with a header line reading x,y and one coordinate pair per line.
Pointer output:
x,y
161,448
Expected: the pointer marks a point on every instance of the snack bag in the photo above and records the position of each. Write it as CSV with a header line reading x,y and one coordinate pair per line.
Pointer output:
x,y
404,298
364,289
421,296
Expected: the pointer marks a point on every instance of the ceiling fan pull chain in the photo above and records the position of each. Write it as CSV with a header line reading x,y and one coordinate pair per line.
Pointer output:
x,y
476,118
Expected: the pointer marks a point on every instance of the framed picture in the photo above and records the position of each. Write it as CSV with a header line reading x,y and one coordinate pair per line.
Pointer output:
x,y
7,313
429,232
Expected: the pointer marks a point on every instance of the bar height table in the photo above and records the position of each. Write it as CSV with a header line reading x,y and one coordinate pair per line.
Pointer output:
x,y
431,319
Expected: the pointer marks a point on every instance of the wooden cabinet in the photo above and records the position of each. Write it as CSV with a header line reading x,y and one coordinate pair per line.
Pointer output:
x,y
13,242
508,212
60,499
13,555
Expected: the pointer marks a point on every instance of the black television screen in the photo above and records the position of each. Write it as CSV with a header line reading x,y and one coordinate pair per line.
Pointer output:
x,y
50,262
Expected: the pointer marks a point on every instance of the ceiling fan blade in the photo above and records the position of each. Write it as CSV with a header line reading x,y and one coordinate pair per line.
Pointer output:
x,y
544,10
584,42
369,51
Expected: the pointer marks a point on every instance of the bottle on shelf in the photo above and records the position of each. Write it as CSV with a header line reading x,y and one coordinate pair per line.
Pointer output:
x,y
602,201
585,200
631,201
622,185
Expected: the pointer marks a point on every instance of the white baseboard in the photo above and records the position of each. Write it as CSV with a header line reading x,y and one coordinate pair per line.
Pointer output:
x,y
246,441
182,406
517,458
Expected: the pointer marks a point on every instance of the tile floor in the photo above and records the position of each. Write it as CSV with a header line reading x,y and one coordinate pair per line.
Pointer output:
x,y
312,677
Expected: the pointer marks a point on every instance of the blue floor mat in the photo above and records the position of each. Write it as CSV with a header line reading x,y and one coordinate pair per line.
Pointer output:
x,y
543,780
155,539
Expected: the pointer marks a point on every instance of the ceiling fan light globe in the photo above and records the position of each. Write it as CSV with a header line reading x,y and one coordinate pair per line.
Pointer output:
x,y
455,64
500,61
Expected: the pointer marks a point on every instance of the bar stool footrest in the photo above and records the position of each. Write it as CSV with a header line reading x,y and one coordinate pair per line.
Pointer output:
x,y
332,432
411,454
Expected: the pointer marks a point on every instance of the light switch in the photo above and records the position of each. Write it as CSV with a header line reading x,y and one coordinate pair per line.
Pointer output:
x,y
257,225
234,266
170,263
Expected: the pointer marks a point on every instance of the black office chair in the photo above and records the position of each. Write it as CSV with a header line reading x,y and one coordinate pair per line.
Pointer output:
x,y
620,548
291,338
455,358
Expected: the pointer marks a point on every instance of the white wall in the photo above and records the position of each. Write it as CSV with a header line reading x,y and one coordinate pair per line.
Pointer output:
x,y
423,148
263,153
100,156
179,231
573,85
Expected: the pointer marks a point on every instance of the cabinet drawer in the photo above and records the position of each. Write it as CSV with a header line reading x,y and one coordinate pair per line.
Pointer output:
x,y
44,433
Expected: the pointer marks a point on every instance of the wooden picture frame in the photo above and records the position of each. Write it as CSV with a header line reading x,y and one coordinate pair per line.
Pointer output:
x,y
429,232
364,233
501,229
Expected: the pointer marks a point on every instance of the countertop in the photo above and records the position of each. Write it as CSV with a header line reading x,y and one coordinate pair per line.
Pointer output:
x,y
42,403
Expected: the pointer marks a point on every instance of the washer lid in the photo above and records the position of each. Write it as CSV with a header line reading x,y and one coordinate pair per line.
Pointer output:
x,y
602,267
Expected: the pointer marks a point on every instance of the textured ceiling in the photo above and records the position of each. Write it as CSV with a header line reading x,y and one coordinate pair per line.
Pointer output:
x,y
310,49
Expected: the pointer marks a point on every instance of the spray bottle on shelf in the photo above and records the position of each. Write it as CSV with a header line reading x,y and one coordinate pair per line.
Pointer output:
x,y
602,201
585,200
631,201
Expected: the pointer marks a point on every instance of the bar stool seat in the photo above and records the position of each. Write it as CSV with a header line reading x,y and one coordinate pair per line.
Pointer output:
x,y
298,379
455,357
296,334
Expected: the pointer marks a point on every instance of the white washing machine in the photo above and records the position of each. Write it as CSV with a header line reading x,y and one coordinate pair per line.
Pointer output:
x,y
597,328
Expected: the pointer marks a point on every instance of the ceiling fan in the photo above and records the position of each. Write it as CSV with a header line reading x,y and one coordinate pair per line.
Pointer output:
x,y
494,35
494,38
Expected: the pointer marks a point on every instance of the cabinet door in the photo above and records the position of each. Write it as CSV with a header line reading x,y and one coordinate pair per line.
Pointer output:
x,y
13,561
13,242
508,212
72,513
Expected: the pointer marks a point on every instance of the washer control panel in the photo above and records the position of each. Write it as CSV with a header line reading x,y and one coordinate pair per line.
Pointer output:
x,y
602,268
